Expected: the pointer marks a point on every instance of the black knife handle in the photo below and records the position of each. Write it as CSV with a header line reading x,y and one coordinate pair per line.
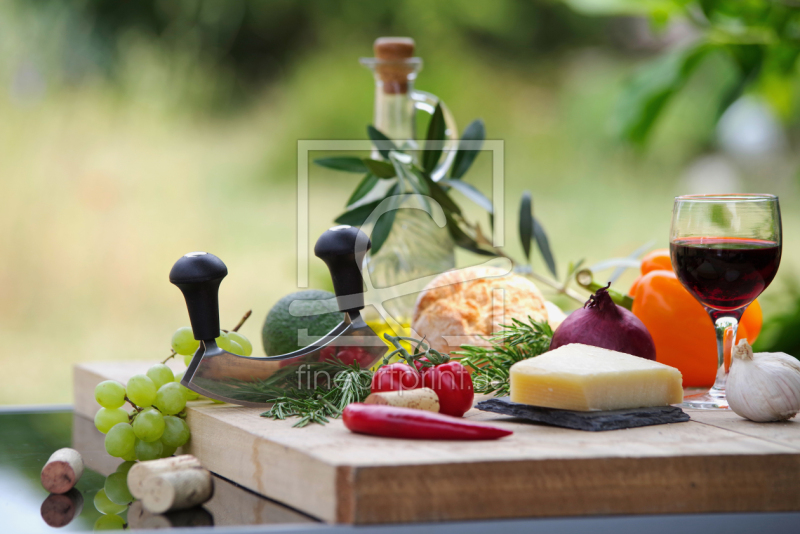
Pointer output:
x,y
198,275
343,248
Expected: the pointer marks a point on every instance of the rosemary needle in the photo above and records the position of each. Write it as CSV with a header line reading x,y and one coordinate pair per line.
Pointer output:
x,y
515,342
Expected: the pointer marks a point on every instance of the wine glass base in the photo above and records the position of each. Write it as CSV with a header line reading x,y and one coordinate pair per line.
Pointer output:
x,y
706,401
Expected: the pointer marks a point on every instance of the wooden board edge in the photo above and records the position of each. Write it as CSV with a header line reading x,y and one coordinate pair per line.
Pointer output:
x,y
553,488
345,492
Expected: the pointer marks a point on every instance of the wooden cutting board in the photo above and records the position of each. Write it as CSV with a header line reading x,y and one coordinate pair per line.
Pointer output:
x,y
717,462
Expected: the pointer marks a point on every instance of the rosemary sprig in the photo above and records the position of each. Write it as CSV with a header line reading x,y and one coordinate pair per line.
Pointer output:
x,y
515,342
310,406
350,384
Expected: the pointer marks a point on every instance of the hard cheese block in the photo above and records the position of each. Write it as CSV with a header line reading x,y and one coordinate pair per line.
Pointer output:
x,y
584,378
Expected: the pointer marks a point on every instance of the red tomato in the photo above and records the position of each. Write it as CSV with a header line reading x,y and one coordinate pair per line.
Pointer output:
x,y
395,377
346,355
453,385
327,353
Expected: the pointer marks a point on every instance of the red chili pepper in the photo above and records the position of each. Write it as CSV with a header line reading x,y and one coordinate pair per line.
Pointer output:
x,y
407,423
395,377
453,385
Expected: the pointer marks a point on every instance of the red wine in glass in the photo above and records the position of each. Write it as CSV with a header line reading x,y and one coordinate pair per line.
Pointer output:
x,y
725,251
725,273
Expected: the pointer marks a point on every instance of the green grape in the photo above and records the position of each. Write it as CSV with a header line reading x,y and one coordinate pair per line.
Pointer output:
x,y
130,457
160,374
188,393
105,418
235,348
117,489
110,394
149,424
243,342
141,390
183,341
124,467
167,451
120,440
148,450
223,341
187,360
104,504
176,431
170,399
109,522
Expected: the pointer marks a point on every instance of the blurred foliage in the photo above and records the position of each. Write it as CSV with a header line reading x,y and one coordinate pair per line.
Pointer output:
x,y
246,43
760,39
781,333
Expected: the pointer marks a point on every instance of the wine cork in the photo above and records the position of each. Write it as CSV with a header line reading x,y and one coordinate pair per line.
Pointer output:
x,y
419,399
62,471
143,470
59,509
177,490
393,68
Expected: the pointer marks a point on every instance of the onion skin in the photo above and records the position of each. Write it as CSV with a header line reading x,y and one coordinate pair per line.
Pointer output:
x,y
601,323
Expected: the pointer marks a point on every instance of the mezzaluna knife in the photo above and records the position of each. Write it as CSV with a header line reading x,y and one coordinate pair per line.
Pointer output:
x,y
258,381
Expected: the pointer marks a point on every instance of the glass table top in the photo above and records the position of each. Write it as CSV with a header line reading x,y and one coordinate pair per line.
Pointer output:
x,y
28,439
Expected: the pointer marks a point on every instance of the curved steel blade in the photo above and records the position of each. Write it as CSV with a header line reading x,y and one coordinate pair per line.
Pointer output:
x,y
250,381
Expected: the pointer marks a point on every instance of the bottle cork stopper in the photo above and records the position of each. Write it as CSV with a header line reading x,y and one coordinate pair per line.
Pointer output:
x,y
392,53
393,48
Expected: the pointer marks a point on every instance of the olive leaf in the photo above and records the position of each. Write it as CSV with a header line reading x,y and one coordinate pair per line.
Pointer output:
x,y
651,89
357,216
437,193
531,229
434,140
378,192
381,169
475,131
383,226
343,163
526,224
382,143
364,186
471,192
544,246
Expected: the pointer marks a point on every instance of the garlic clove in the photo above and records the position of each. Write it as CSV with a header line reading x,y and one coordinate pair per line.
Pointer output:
x,y
764,386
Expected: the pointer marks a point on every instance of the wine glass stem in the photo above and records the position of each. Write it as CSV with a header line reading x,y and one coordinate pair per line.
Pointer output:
x,y
725,328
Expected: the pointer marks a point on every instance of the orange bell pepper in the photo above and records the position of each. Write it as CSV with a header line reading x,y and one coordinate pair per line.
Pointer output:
x,y
681,328
657,260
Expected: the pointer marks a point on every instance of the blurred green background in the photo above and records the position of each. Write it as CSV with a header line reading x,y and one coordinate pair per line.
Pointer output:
x,y
133,132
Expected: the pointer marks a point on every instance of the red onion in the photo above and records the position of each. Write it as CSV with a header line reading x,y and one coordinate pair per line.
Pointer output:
x,y
601,323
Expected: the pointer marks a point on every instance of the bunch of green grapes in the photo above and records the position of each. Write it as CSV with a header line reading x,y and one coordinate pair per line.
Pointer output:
x,y
113,499
155,427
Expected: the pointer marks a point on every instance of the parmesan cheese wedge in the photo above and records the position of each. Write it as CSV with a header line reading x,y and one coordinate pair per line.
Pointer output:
x,y
584,378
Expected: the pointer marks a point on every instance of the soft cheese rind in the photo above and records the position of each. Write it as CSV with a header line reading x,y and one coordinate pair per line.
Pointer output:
x,y
584,378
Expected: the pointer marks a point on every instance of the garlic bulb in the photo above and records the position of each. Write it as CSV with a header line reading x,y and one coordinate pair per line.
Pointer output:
x,y
765,386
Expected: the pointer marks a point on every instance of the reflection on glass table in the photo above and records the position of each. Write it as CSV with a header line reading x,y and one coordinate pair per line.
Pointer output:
x,y
100,500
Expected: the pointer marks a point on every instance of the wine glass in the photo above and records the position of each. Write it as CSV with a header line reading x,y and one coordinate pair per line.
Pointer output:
x,y
725,250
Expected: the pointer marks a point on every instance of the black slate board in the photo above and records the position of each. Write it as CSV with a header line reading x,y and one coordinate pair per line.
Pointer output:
x,y
591,421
